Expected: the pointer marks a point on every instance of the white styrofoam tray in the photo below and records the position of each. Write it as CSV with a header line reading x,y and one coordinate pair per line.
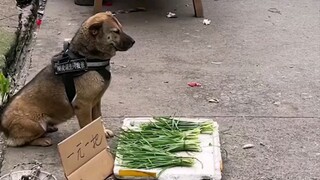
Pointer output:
x,y
209,167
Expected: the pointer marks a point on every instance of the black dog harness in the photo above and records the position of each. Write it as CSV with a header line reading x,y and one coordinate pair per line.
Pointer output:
x,y
69,65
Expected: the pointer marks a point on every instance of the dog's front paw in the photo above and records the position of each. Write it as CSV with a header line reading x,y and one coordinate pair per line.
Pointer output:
x,y
109,133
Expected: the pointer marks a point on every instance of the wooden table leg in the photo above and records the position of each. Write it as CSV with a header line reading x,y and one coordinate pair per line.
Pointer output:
x,y
198,8
97,6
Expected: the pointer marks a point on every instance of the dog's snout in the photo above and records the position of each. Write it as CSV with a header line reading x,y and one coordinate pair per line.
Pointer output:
x,y
126,42
130,41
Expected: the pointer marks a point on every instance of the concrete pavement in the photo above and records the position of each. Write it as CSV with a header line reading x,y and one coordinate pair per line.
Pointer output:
x,y
8,26
260,59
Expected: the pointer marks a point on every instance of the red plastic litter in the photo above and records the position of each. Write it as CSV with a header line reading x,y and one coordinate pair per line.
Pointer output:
x,y
194,84
108,3
39,22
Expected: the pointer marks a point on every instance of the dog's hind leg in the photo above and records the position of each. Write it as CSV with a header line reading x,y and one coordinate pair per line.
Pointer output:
x,y
44,141
15,142
30,133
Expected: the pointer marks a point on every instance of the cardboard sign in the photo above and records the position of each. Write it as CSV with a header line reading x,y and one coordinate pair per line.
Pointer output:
x,y
84,154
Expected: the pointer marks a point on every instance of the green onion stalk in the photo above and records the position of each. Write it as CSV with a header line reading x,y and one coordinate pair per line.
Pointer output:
x,y
139,156
166,140
206,127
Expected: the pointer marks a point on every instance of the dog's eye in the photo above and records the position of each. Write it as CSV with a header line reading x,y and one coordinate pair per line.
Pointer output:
x,y
117,31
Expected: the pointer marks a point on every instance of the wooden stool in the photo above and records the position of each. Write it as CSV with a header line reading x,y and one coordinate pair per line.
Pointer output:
x,y
198,8
197,5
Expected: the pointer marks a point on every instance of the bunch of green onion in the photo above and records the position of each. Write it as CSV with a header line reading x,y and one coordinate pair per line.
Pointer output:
x,y
154,144
139,156
166,140
206,127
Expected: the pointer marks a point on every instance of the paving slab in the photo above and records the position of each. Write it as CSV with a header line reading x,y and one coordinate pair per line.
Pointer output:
x,y
259,59
9,15
9,21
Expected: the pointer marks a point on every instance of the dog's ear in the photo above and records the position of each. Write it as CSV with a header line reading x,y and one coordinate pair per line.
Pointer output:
x,y
109,13
94,28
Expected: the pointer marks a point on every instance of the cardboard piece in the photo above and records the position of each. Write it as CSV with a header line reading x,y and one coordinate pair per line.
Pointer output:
x,y
84,155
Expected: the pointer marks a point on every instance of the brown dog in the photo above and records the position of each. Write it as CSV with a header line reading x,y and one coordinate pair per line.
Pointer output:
x,y
43,102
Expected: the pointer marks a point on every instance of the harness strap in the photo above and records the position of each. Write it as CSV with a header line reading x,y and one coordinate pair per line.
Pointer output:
x,y
91,64
69,86
104,73
68,81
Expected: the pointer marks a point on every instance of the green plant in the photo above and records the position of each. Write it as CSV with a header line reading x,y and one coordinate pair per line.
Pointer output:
x,y
4,87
